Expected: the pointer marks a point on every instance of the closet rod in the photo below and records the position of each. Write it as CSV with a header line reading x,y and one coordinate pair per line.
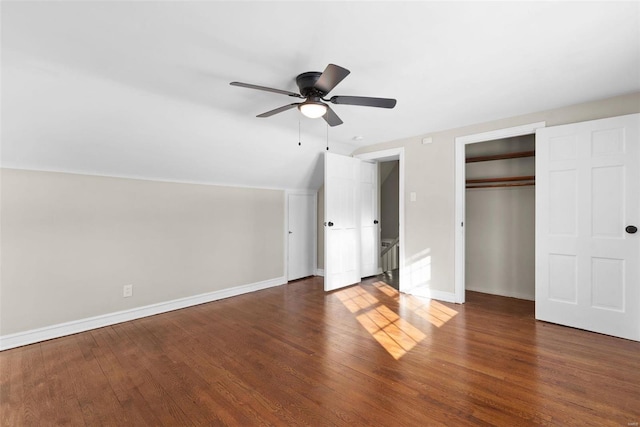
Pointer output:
x,y
501,179
501,156
508,184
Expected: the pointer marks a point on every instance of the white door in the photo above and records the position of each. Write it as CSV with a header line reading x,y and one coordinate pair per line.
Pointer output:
x,y
301,233
369,224
587,202
342,222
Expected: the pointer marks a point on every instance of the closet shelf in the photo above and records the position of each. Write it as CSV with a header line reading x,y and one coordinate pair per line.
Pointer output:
x,y
505,181
501,179
505,184
501,156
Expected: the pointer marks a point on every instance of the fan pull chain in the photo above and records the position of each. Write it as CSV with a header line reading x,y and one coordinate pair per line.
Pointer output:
x,y
327,136
299,142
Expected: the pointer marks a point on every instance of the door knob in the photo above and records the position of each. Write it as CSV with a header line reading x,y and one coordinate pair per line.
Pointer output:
x,y
631,229
375,221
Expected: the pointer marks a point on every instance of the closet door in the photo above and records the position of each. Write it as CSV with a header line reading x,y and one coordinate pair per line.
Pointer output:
x,y
301,235
587,211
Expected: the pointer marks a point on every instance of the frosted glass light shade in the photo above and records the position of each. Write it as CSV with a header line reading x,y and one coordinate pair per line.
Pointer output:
x,y
313,110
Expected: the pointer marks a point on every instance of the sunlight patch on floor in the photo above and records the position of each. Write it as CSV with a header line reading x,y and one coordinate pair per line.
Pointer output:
x,y
356,299
387,290
395,334
432,311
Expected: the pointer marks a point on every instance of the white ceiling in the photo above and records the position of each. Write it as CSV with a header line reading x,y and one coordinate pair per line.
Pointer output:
x,y
141,89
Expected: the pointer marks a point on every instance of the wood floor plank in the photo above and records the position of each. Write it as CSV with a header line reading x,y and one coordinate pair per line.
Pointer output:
x,y
97,401
59,365
120,373
195,383
12,387
157,379
269,377
296,355
225,373
35,402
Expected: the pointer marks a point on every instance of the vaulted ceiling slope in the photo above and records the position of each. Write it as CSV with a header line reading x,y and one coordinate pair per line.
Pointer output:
x,y
141,89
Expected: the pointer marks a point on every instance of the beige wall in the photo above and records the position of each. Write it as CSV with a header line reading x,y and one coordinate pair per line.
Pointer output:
x,y
430,173
70,242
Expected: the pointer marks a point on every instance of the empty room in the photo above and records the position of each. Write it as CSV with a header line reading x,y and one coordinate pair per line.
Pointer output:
x,y
324,213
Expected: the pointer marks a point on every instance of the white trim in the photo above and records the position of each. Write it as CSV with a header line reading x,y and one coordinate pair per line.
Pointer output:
x,y
286,235
508,294
143,178
501,133
460,189
82,325
394,154
320,272
382,155
424,292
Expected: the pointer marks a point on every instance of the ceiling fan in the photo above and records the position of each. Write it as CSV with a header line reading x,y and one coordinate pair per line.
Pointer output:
x,y
314,86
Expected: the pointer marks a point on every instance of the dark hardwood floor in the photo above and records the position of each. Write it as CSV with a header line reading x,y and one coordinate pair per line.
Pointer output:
x,y
295,355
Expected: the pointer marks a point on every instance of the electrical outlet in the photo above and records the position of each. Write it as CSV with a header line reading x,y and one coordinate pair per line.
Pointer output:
x,y
127,291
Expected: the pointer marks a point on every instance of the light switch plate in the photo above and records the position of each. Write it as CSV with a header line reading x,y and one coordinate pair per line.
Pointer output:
x,y
127,291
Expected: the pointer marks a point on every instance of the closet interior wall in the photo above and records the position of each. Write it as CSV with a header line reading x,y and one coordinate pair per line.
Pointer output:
x,y
500,221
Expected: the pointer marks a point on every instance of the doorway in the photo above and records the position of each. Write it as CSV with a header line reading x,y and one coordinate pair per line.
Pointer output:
x,y
387,157
461,189
389,190
500,217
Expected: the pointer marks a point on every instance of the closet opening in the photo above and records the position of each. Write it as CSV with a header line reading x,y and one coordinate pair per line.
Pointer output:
x,y
500,217
495,213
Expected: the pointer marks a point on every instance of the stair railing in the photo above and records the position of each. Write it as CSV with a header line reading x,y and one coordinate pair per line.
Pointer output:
x,y
390,255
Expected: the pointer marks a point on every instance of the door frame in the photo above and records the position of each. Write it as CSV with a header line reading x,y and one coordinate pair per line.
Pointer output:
x,y
387,155
314,238
460,193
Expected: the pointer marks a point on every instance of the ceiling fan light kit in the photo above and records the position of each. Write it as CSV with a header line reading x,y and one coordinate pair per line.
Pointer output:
x,y
314,86
313,109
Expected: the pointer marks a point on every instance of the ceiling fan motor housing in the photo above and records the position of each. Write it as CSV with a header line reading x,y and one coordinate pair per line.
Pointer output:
x,y
306,82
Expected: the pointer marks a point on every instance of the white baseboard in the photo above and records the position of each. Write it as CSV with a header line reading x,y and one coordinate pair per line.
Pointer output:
x,y
519,295
320,272
68,328
423,291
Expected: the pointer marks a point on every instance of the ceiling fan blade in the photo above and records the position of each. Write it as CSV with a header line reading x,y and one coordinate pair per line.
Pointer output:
x,y
278,110
330,77
268,89
331,117
364,100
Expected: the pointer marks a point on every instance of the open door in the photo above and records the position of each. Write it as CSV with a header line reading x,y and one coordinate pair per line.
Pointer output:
x,y
587,214
342,221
